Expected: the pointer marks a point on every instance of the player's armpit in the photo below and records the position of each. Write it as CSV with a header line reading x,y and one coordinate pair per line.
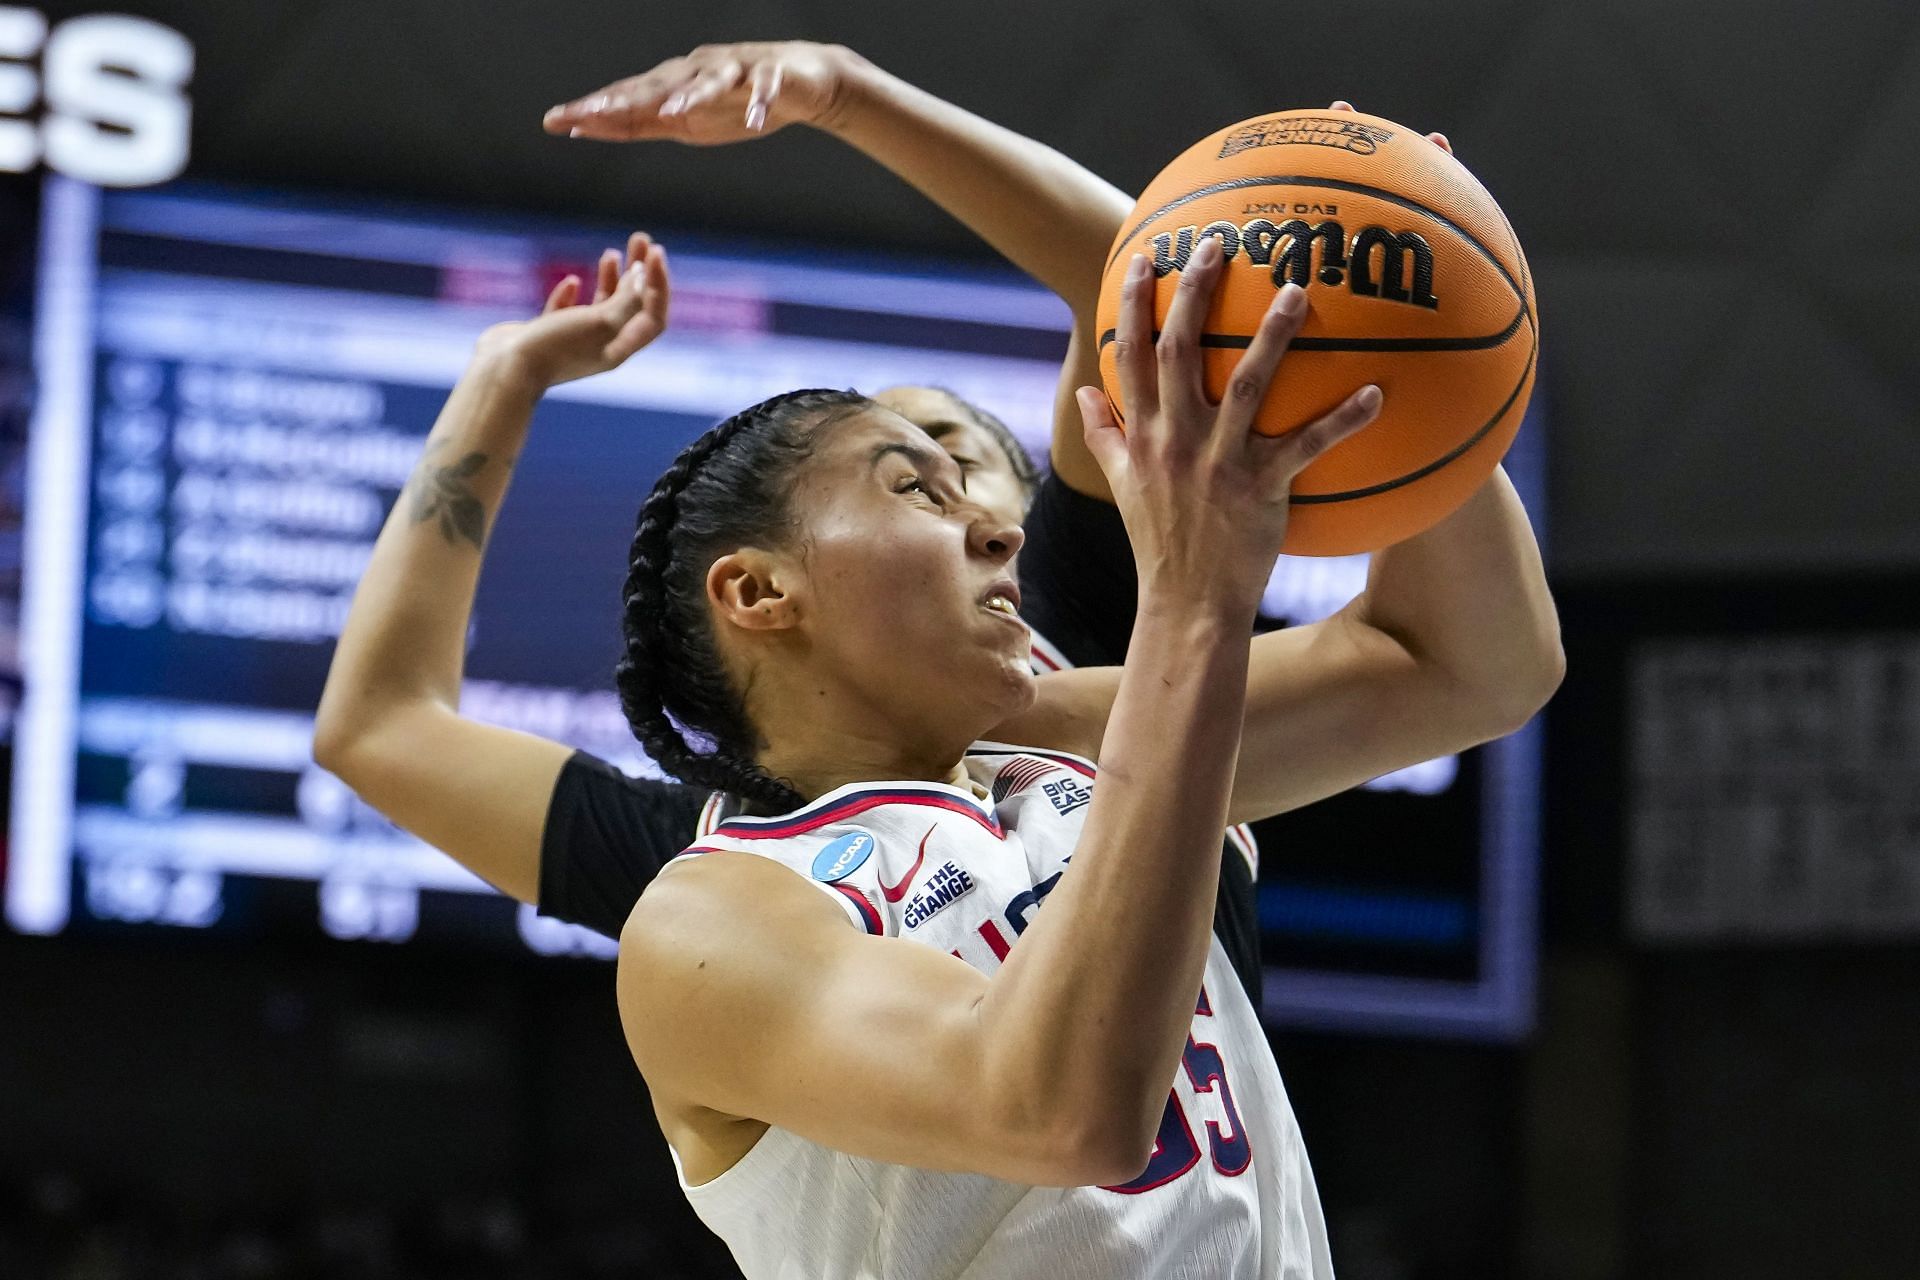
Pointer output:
x,y
746,993
477,792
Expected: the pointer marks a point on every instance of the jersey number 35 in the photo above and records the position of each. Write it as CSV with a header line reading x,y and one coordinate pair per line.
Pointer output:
x,y
1175,1150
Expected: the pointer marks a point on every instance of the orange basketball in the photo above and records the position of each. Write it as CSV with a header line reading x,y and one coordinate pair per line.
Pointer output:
x,y
1416,282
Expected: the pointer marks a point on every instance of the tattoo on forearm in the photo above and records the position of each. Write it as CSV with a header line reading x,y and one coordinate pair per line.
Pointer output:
x,y
443,494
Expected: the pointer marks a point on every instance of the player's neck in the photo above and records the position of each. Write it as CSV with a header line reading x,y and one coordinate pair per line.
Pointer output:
x,y
817,783
824,742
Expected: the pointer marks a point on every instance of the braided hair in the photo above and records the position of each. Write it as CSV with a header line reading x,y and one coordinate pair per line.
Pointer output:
x,y
729,488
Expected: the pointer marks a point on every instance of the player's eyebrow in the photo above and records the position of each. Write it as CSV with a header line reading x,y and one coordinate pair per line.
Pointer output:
x,y
922,458
942,427
935,462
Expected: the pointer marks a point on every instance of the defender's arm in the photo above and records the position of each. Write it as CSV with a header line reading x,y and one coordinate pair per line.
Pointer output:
x,y
1454,642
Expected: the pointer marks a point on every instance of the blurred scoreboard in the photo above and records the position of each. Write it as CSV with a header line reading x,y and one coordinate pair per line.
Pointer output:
x,y
232,388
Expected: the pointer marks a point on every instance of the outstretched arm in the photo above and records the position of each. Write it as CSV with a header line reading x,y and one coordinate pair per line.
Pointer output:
x,y
389,723
1455,641
1046,214
1040,210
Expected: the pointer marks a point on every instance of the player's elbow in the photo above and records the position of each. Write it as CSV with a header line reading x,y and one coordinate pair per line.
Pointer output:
x,y
340,724
1091,1162
1499,692
1114,1146
334,740
1091,1145
361,738
1528,685
1551,671
347,742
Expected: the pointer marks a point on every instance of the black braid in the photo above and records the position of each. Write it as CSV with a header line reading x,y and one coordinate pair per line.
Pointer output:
x,y
727,489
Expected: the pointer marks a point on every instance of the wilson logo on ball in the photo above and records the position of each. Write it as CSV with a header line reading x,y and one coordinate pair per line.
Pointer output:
x,y
1374,263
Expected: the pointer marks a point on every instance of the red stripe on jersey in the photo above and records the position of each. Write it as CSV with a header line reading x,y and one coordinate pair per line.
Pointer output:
x,y
995,939
867,911
895,892
847,807
1044,656
1242,839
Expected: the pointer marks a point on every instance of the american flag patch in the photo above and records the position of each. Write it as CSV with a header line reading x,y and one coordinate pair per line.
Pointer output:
x,y
1019,774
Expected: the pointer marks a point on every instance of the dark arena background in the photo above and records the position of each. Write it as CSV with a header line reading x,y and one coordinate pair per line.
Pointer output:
x,y
1634,992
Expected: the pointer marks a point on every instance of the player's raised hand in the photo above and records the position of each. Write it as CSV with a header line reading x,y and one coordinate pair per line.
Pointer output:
x,y
719,93
1205,498
570,339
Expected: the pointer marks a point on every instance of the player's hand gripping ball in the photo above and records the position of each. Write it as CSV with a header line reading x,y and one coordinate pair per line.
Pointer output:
x,y
1415,281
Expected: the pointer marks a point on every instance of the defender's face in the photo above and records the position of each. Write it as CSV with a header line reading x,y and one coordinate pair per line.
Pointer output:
x,y
985,469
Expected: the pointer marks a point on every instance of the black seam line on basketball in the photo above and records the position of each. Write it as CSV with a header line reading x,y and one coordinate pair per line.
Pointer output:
x,y
1331,184
1317,499
1237,341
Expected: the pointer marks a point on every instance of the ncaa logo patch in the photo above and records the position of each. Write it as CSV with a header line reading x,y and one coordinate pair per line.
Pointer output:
x,y
844,855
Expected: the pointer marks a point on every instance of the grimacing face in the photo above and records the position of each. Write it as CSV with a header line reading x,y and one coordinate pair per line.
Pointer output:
x,y
910,604
987,473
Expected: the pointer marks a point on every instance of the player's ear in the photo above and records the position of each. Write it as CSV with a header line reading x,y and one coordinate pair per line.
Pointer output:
x,y
749,589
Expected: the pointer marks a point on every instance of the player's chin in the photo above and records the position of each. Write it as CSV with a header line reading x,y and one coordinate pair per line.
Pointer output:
x,y
997,667
1013,678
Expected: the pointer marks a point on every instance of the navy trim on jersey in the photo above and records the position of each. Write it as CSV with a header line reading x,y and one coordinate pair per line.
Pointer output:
x,y
844,802
868,915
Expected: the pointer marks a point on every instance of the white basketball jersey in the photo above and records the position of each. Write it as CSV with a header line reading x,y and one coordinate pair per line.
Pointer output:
x,y
1227,1192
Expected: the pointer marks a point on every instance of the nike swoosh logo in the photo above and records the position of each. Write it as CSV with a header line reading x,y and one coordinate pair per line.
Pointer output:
x,y
895,892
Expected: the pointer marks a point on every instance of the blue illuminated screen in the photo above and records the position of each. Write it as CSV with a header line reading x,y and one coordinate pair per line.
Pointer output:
x,y
234,386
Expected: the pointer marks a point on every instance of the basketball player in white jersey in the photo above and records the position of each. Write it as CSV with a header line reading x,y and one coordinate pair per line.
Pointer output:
x,y
813,595
872,1050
